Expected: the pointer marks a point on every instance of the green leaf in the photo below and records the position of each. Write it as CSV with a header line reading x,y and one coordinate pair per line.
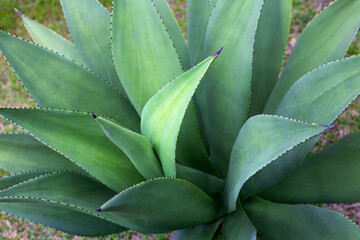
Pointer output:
x,y
299,222
166,204
174,31
8,181
208,183
270,42
65,218
237,226
135,146
56,195
261,140
50,39
226,89
89,26
163,113
21,152
319,96
75,134
326,38
189,148
144,55
201,232
56,82
329,176
197,19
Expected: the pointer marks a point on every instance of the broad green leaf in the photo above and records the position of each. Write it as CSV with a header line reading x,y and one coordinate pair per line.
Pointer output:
x,y
237,226
50,39
226,88
65,218
326,38
261,140
174,31
270,42
8,181
189,148
201,232
163,113
81,139
161,205
89,26
197,19
135,146
208,183
319,96
144,55
56,82
329,176
21,152
299,222
55,195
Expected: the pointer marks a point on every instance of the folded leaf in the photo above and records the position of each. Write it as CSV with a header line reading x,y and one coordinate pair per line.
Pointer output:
x,y
227,86
135,146
161,205
140,38
75,134
299,222
319,96
89,26
197,19
237,226
329,176
163,113
262,140
174,31
50,39
22,152
336,26
201,232
270,42
55,198
56,82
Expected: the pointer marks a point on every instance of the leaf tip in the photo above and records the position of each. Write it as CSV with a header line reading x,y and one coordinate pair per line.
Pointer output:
x,y
94,115
218,52
18,12
99,209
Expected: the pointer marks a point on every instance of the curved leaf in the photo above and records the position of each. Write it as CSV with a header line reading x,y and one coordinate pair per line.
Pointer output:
x,y
144,55
208,183
56,82
75,134
201,232
197,19
62,217
319,96
227,86
50,39
174,31
21,152
8,181
135,146
329,176
237,226
299,222
89,26
163,114
326,38
270,42
161,205
263,139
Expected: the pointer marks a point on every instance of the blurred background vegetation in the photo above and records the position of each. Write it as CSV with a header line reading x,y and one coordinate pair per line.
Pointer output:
x,y
49,13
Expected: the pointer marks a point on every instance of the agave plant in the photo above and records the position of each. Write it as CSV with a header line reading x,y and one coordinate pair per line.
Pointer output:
x,y
134,130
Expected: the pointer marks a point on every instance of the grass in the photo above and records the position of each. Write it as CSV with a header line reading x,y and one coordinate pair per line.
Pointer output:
x,y
49,13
